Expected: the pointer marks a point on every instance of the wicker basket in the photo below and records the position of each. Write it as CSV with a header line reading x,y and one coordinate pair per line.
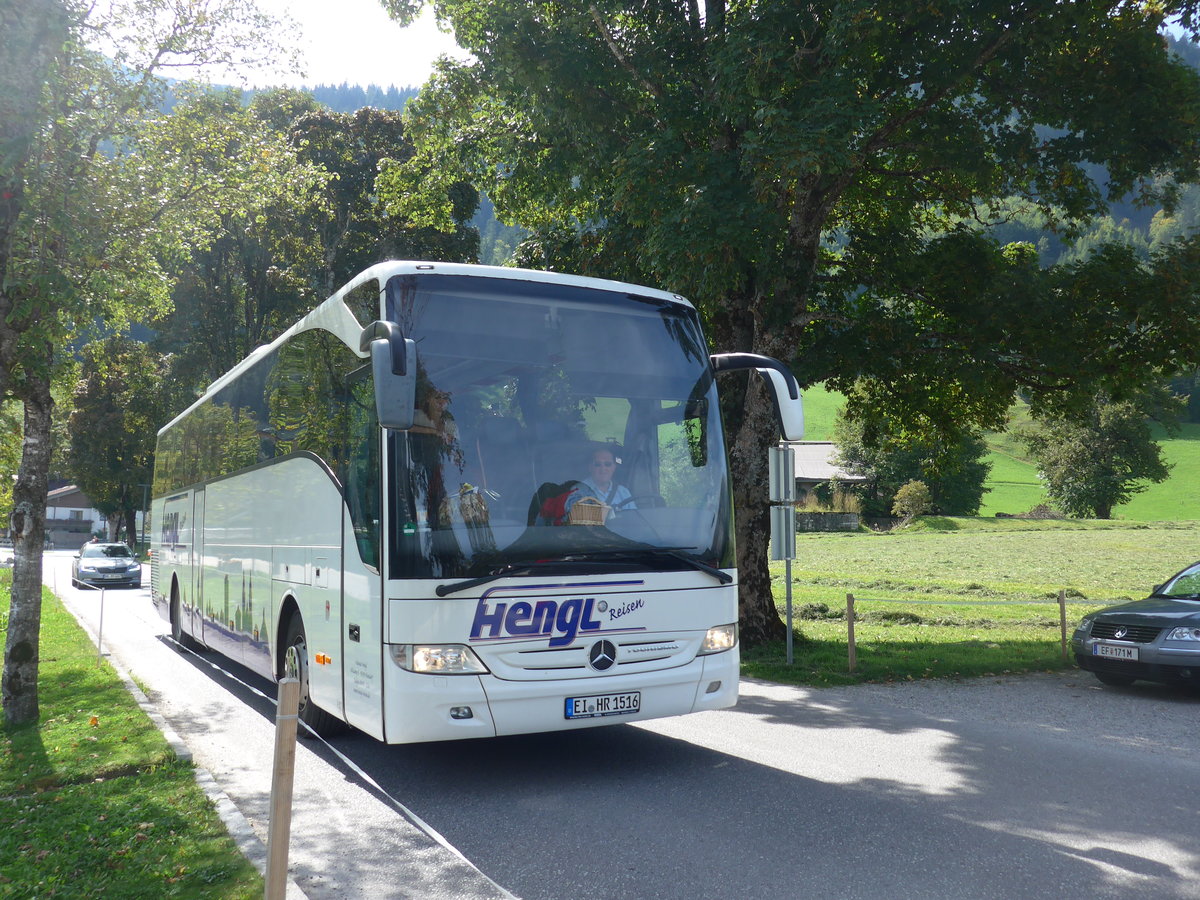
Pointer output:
x,y
588,511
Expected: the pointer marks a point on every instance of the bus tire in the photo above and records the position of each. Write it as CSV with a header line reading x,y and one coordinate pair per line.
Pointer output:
x,y
182,638
321,722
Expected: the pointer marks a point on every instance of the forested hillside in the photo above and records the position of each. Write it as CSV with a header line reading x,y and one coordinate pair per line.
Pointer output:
x,y
345,98
1144,228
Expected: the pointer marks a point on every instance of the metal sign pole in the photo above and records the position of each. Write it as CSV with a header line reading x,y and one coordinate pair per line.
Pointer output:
x,y
782,471
787,567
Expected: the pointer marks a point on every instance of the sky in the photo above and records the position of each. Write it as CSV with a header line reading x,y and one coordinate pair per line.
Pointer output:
x,y
355,41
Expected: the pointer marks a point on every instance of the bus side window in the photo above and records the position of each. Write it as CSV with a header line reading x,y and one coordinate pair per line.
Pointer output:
x,y
363,302
363,468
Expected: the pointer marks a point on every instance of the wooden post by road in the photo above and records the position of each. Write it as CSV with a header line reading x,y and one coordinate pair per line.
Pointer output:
x,y
850,631
279,832
1062,618
100,631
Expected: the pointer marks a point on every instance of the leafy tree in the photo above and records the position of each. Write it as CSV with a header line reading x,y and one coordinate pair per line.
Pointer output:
x,y
357,231
122,400
10,454
949,466
34,35
1187,385
497,241
82,207
307,231
1091,463
244,283
801,170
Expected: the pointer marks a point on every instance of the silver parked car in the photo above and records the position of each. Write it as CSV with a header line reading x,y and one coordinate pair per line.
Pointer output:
x,y
1156,639
105,565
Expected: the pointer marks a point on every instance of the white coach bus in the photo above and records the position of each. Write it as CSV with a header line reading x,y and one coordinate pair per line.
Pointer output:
x,y
409,488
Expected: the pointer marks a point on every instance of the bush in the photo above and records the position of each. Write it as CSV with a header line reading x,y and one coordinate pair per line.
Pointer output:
x,y
913,499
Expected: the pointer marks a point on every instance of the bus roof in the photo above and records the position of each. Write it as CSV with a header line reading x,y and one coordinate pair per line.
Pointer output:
x,y
385,270
333,314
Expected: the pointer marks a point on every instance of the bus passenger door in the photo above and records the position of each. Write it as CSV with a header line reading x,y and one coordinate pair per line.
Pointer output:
x,y
196,612
362,638
362,586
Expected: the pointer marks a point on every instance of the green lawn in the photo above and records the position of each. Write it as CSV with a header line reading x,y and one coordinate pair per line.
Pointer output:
x,y
820,411
93,801
1179,496
1013,485
960,597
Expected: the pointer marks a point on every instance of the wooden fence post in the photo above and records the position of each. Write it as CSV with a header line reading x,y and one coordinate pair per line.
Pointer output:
x,y
279,829
1062,618
100,631
850,631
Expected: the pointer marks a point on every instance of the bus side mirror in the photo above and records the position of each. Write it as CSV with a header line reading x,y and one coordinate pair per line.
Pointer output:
x,y
394,371
781,383
791,409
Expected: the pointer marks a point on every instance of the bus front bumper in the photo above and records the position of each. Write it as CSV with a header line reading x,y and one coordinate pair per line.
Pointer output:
x,y
452,708
708,682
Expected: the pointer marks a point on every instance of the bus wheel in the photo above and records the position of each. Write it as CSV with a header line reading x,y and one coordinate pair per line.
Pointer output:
x,y
182,638
310,714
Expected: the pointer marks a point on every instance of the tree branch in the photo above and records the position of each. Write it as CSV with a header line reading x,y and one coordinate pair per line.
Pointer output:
x,y
620,57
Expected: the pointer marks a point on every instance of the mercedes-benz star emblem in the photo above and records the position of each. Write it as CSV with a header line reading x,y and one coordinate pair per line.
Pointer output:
x,y
1120,632
602,655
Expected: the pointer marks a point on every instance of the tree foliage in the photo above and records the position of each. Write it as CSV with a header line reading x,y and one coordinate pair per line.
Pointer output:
x,y
1092,462
121,400
804,171
949,465
313,222
83,210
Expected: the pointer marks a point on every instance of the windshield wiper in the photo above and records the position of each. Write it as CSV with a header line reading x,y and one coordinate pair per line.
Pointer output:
x,y
454,587
443,590
672,552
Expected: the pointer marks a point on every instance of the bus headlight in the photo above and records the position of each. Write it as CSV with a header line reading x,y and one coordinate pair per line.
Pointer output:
x,y
719,639
438,659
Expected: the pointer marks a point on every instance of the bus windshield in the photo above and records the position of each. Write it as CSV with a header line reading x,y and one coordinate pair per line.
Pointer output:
x,y
554,423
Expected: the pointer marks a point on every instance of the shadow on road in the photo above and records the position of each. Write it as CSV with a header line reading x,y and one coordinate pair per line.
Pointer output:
x,y
621,811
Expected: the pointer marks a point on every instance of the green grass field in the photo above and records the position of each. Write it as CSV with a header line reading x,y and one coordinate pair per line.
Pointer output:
x,y
961,597
820,410
93,801
1013,485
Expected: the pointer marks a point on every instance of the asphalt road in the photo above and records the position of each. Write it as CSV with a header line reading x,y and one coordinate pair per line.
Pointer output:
x,y
1035,786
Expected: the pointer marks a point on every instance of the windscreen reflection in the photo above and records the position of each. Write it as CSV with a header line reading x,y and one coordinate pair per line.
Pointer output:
x,y
556,427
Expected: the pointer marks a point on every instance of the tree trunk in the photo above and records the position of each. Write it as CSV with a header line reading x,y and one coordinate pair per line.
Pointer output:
x,y
751,428
18,686
131,534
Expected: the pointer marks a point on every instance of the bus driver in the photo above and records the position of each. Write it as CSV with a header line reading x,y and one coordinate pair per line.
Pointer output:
x,y
600,484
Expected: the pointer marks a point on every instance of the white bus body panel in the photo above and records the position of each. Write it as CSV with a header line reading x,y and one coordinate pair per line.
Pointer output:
x,y
269,537
656,622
